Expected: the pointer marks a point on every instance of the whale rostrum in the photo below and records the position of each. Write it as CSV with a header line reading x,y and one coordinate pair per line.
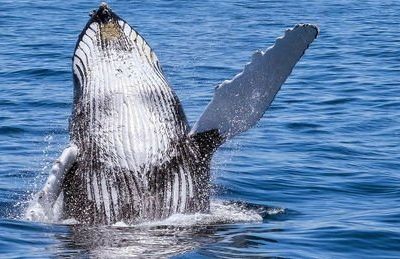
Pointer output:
x,y
132,155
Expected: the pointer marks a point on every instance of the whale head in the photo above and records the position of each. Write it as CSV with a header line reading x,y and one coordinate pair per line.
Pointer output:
x,y
109,46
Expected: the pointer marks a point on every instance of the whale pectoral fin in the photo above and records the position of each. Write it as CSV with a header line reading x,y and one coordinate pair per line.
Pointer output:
x,y
41,206
239,103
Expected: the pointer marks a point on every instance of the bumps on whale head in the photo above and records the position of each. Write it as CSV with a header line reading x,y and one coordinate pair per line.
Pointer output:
x,y
108,25
103,14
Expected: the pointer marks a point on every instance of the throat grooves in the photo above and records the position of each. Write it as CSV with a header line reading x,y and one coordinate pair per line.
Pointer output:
x,y
134,162
129,129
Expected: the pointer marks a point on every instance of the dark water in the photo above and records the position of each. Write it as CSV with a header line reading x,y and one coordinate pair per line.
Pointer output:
x,y
321,169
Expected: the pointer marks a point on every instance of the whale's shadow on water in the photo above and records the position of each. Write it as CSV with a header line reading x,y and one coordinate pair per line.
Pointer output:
x,y
176,235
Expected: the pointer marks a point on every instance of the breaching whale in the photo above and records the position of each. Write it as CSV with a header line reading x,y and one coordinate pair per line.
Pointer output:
x,y
132,155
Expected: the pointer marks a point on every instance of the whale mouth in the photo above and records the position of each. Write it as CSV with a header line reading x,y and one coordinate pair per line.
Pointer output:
x,y
103,14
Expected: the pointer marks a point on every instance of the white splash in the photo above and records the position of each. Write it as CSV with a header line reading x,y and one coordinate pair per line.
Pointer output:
x,y
220,213
46,205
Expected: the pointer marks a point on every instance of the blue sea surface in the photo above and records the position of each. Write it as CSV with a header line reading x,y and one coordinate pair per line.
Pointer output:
x,y
325,157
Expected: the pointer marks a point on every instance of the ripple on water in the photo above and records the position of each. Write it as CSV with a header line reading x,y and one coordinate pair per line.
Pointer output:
x,y
35,72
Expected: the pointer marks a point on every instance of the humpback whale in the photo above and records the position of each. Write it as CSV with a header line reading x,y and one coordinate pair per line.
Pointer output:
x,y
132,155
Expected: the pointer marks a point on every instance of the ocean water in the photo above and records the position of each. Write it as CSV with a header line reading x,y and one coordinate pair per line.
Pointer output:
x,y
319,177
